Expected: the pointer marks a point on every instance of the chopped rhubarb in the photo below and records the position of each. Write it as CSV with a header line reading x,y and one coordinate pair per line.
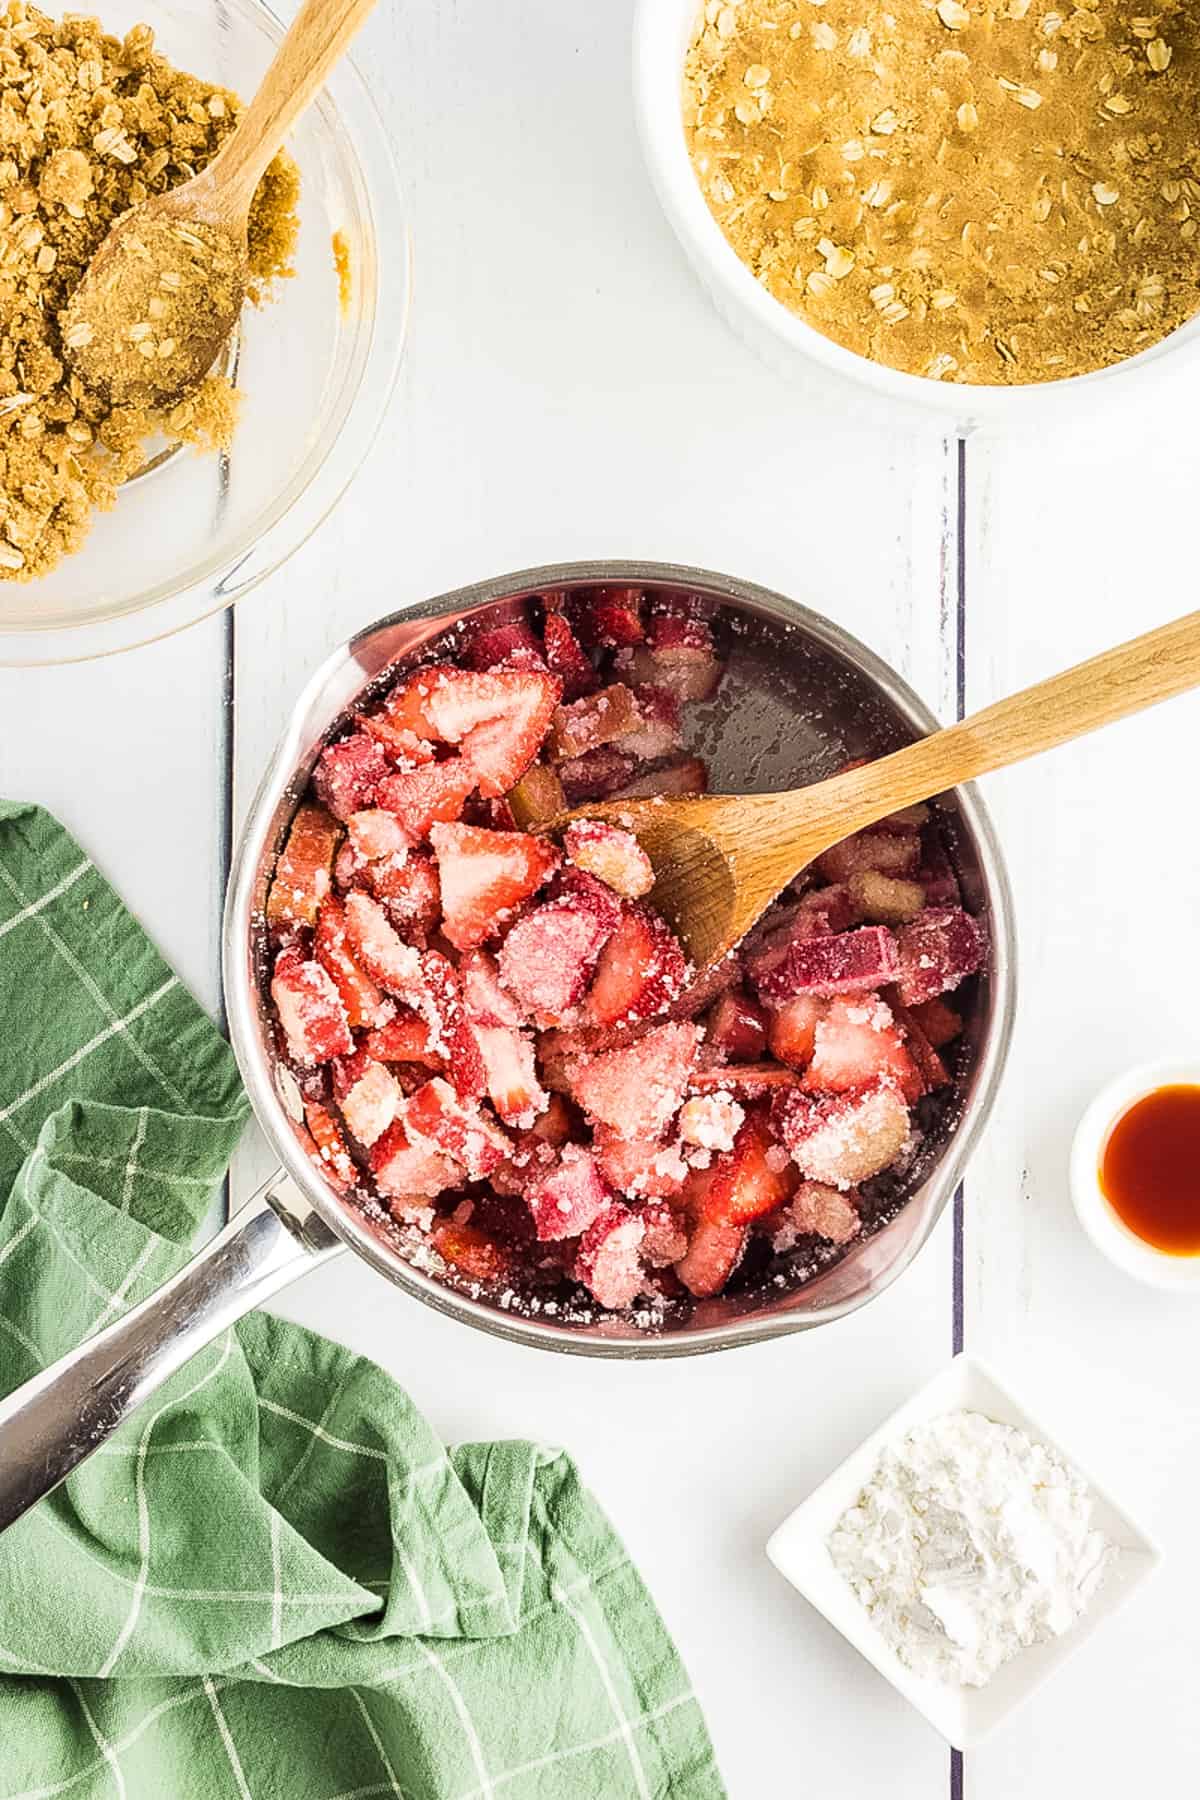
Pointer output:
x,y
509,644
933,1071
711,1121
686,775
435,794
939,1022
816,1211
347,776
364,1003
659,732
747,1081
937,952
737,1027
332,1151
596,719
664,1235
608,1263
713,1254
310,1010
883,899
845,962
566,658
565,1201
638,1088
407,1169
470,1250
612,617
371,1103
612,855
936,873
597,775
857,1043
843,1139
436,1114
887,852
547,958
641,970
303,873
537,798
485,875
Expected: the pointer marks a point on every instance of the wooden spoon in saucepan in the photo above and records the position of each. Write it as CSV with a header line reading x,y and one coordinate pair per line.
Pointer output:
x,y
719,860
164,290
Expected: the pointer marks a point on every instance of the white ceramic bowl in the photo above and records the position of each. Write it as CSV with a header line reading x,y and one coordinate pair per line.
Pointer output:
x,y
662,31
963,1715
1111,1236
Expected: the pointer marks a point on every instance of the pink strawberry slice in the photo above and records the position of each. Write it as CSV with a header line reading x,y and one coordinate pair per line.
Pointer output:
x,y
405,1039
612,616
378,948
752,1179
643,1168
303,873
485,875
364,1003
471,1250
408,889
347,776
422,797
509,644
376,834
792,1029
566,657
498,716
403,748
638,1088
713,1254
409,1168
565,1201
371,1101
486,1000
611,855
609,1263
436,1114
330,1149
511,1074
857,1043
642,969
548,957
310,1009
440,1004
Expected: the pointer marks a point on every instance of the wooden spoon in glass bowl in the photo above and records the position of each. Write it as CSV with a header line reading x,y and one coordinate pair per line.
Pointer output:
x,y
163,292
719,860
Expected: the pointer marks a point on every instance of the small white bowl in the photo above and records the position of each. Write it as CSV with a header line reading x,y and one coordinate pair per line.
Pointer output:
x,y
662,31
1111,1236
963,1715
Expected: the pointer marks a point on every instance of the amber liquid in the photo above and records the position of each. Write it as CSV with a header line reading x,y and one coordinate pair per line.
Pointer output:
x,y
1150,1169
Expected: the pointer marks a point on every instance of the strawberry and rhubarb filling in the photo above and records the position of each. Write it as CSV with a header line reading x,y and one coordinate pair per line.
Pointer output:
x,y
495,1042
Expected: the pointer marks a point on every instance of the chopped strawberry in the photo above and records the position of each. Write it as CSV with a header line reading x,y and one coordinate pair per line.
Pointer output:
x,y
937,952
857,1043
511,1074
485,875
576,887
638,1088
792,1029
440,1003
749,1081
537,798
612,616
332,1151
376,833
714,1248
474,1252
409,891
933,1071
642,1168
658,732
377,948
682,655
347,776
548,957
686,775
485,997
566,658
406,1038
597,775
939,1022
436,1114
371,1103
816,1210
753,1178
499,717
737,1027
665,1238
641,970
843,1139
592,721
423,797
407,1169
888,852
310,1009
842,963
565,1202
509,644
608,1263
403,748
936,873
364,1003
883,899
303,873
612,855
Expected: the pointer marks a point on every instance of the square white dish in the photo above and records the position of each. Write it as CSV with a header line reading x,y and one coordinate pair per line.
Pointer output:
x,y
964,1716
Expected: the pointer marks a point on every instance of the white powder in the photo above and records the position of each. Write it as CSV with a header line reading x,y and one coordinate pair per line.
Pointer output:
x,y
970,1542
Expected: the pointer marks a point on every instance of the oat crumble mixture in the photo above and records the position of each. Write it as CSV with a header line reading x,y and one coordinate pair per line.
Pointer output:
x,y
975,192
90,125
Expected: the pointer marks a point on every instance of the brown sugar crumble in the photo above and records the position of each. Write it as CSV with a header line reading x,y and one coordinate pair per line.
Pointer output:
x,y
91,125
341,267
974,192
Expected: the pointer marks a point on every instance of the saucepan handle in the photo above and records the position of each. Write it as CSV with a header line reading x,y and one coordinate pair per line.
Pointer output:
x,y
55,1421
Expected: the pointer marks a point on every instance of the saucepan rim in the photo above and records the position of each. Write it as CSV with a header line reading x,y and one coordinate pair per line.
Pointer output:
x,y
285,777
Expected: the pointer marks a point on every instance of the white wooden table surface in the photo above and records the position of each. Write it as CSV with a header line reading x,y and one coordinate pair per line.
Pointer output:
x,y
569,393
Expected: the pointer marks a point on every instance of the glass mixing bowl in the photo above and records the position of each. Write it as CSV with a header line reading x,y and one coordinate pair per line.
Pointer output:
x,y
195,532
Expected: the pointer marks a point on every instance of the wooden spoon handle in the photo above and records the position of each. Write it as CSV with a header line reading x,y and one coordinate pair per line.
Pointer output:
x,y
315,41
1135,675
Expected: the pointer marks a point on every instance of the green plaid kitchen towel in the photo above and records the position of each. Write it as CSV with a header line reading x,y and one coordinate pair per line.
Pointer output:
x,y
274,1583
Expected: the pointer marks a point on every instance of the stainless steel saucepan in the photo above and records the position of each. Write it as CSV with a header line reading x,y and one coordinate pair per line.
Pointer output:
x,y
800,697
